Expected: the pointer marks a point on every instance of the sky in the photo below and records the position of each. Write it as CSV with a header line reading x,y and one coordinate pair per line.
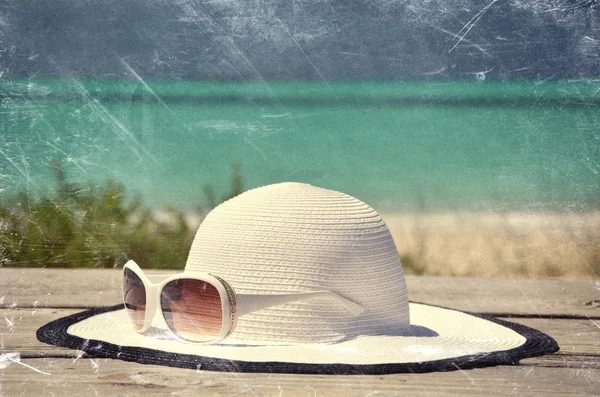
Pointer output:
x,y
305,40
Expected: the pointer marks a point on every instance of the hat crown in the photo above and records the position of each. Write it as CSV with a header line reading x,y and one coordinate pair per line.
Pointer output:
x,y
293,238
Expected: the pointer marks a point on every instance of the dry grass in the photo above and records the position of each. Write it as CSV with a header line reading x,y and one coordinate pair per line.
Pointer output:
x,y
499,245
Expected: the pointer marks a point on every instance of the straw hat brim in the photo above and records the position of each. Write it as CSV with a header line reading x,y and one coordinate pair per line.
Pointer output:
x,y
439,339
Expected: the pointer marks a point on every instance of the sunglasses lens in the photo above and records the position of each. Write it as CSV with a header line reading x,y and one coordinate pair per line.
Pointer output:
x,y
192,309
134,296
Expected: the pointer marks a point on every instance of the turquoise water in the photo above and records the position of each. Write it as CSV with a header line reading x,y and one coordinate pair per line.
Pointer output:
x,y
398,146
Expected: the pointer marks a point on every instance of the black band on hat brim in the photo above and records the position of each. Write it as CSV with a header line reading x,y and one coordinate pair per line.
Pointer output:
x,y
55,333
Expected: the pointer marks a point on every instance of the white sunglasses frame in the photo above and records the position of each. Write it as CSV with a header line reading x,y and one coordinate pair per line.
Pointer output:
x,y
233,305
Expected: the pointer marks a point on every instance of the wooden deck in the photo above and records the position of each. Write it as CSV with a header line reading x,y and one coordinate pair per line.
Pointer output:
x,y
569,311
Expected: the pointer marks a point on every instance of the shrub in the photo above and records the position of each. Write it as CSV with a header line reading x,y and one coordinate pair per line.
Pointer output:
x,y
91,225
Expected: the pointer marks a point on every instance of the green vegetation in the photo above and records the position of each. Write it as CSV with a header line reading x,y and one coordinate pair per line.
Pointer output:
x,y
93,225
97,225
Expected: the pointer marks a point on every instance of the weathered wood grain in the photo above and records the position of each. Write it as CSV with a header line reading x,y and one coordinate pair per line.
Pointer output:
x,y
59,287
564,360
575,337
33,297
508,296
110,377
18,329
100,287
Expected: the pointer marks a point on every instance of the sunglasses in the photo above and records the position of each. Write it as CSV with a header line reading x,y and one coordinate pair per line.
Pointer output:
x,y
200,307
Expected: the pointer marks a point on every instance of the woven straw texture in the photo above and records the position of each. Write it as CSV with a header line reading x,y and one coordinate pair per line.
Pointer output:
x,y
293,238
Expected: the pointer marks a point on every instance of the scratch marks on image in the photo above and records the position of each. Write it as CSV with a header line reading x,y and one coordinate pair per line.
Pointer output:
x,y
469,25
116,126
95,365
80,353
10,323
306,56
200,16
67,157
21,168
15,358
226,126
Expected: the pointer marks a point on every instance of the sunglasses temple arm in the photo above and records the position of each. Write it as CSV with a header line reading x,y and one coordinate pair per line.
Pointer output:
x,y
252,303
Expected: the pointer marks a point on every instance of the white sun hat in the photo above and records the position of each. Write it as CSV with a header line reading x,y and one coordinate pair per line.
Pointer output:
x,y
294,238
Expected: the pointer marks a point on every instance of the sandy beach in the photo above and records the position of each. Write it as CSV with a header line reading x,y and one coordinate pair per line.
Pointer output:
x,y
499,244
540,245
491,244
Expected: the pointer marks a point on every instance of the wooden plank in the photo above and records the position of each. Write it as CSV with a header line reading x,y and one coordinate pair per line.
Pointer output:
x,y
100,287
110,377
509,296
575,370
18,329
575,337
563,360
59,287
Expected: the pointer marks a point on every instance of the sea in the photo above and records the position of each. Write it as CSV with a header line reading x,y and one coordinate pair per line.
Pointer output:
x,y
400,146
